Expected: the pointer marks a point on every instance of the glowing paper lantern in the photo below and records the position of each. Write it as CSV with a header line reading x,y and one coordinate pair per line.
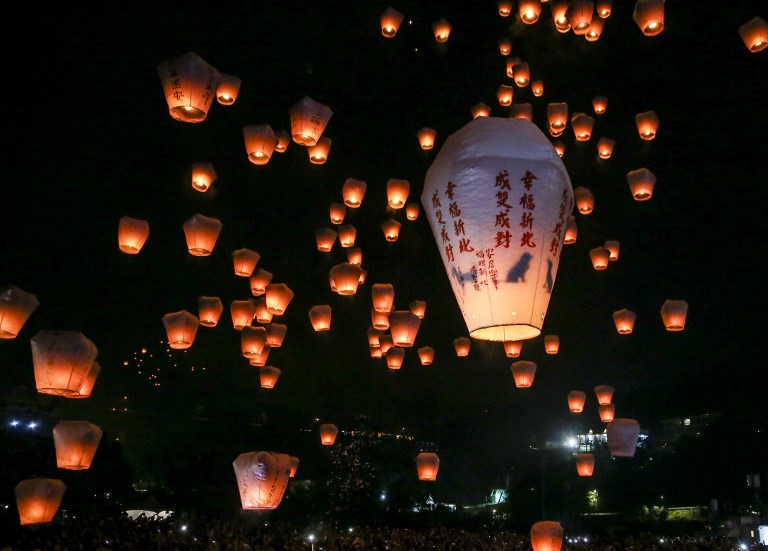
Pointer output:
x,y
259,281
76,443
606,412
613,246
546,535
427,465
505,8
512,349
571,231
294,465
426,137
418,307
90,381
505,46
276,334
181,328
673,314
308,121
189,84
579,15
260,360
209,310
504,94
559,147
353,192
537,87
253,339
268,376
318,153
600,257
605,148
522,74
132,234
585,464
411,210
383,296
442,30
337,212
397,192
390,21
380,320
426,355
229,88
373,336
320,317
403,326
560,15
604,394
283,139
355,256
260,311
582,126
325,238
600,104
279,295
38,499
576,399
16,306
203,176
328,434
486,157
521,111
201,233
523,373
262,478
595,30
624,320
345,278
260,143
647,124
391,229
385,342
245,261
649,16
347,235
603,8
512,62
462,345
557,115
480,110
641,182
529,11
585,200
394,356
62,361
242,312
622,437
754,34
551,344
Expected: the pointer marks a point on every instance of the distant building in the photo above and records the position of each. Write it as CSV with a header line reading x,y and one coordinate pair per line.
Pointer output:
x,y
675,428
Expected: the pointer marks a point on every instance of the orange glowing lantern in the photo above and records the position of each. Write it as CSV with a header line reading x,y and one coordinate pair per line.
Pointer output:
x,y
201,233
411,210
604,394
355,256
62,361
557,115
560,15
180,328
600,257
547,535
512,62
320,317
345,278
38,499
522,74
397,192
571,231
607,412
76,443
673,314
505,46
373,336
427,465
242,312
600,104
585,201
442,30
504,94
624,320
379,320
605,147
325,238
375,351
622,437
529,11
537,87
512,349
253,339
262,478
268,376
394,356
418,307
259,281
649,16
337,212
426,137
559,147
260,360
595,30
308,121
579,15
614,247
203,176
480,110
426,355
283,139
318,153
363,273
353,192
391,229
229,88
90,381
641,183
603,8
294,465
385,342
551,344
383,296
189,84
260,143
260,311
16,306
328,434
276,334
585,464
523,372
347,235
132,234
754,34
390,21
403,326
245,261
521,111
279,295
576,399
209,310
582,125
462,345
505,8
647,124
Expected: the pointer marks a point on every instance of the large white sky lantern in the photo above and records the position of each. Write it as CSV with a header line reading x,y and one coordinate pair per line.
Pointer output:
x,y
498,197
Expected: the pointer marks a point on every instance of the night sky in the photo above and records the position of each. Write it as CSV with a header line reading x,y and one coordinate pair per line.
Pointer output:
x,y
89,140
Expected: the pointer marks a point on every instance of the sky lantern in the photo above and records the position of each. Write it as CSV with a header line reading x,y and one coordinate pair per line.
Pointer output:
x,y
16,306
427,465
595,30
253,339
245,261
268,376
318,153
308,121
559,148
242,312
622,437
624,320
385,341
373,336
412,210
521,111
426,137
600,257
600,104
560,15
462,346
754,33
90,381
537,87
347,234
283,139
76,443
557,115
442,30
614,247
403,326
228,89
485,155
505,8
522,74
379,320
605,148
529,11
649,16
512,349
375,352
505,45
673,314
551,344
132,233
604,394
418,307
62,360
203,176
603,8
262,477
391,229
363,274
582,125
480,110
276,334
345,278
647,124
189,83
328,432
546,535
397,192
523,372
576,399
260,143
353,191
279,295
383,296
209,310
394,356
512,62
504,94
320,317
38,499
325,238
259,281
641,182
579,15
355,256
260,311
426,355
180,328
390,21
337,212
201,233
294,466
606,412
571,231
260,360
585,200
585,464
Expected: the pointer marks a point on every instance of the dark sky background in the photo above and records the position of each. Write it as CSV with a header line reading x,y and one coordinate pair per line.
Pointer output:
x,y
88,140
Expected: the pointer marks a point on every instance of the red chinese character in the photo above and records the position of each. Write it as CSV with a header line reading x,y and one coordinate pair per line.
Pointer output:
x,y
439,216
502,220
444,235
449,190
526,220
527,201
501,199
526,240
554,245
436,200
449,252
464,246
503,239
502,180
528,179
454,210
458,227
